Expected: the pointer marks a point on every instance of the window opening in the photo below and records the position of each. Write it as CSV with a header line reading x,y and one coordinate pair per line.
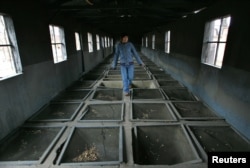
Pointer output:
x,y
97,42
58,43
105,42
10,63
167,42
90,42
153,42
214,42
77,39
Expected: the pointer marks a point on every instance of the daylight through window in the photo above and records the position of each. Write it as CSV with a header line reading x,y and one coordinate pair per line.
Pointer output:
x,y
214,42
58,43
10,63
167,42
97,42
90,42
78,44
108,42
153,42
105,42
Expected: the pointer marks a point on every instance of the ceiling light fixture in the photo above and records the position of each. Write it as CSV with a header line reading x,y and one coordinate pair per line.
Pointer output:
x,y
199,10
122,16
90,2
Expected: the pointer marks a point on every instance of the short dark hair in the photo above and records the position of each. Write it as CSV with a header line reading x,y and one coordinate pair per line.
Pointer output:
x,y
124,34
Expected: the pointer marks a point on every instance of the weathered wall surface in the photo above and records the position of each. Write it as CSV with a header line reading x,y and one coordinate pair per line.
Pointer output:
x,y
225,90
23,95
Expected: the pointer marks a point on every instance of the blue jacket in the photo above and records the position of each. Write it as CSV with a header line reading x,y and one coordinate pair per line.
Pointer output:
x,y
125,52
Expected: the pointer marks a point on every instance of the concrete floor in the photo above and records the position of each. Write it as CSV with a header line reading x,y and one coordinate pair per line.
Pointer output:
x,y
161,124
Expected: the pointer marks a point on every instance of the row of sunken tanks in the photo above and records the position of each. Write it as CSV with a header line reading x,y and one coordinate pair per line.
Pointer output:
x,y
93,123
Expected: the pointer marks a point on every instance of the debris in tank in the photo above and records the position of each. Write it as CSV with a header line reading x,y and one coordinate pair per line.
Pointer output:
x,y
90,154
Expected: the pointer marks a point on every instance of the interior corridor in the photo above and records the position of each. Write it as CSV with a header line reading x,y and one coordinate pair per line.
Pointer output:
x,y
92,124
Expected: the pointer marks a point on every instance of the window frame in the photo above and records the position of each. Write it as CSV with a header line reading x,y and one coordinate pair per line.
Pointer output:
x,y
90,42
212,54
153,41
60,43
15,66
105,42
97,42
78,42
167,42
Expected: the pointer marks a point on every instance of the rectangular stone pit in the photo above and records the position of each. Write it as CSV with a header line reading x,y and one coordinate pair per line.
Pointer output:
x,y
108,95
169,83
28,145
163,145
92,76
98,71
140,68
193,111
141,76
93,146
137,76
73,95
158,72
83,84
149,63
58,111
103,112
144,84
160,77
111,84
178,94
147,94
114,72
112,77
151,112
218,138
154,69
